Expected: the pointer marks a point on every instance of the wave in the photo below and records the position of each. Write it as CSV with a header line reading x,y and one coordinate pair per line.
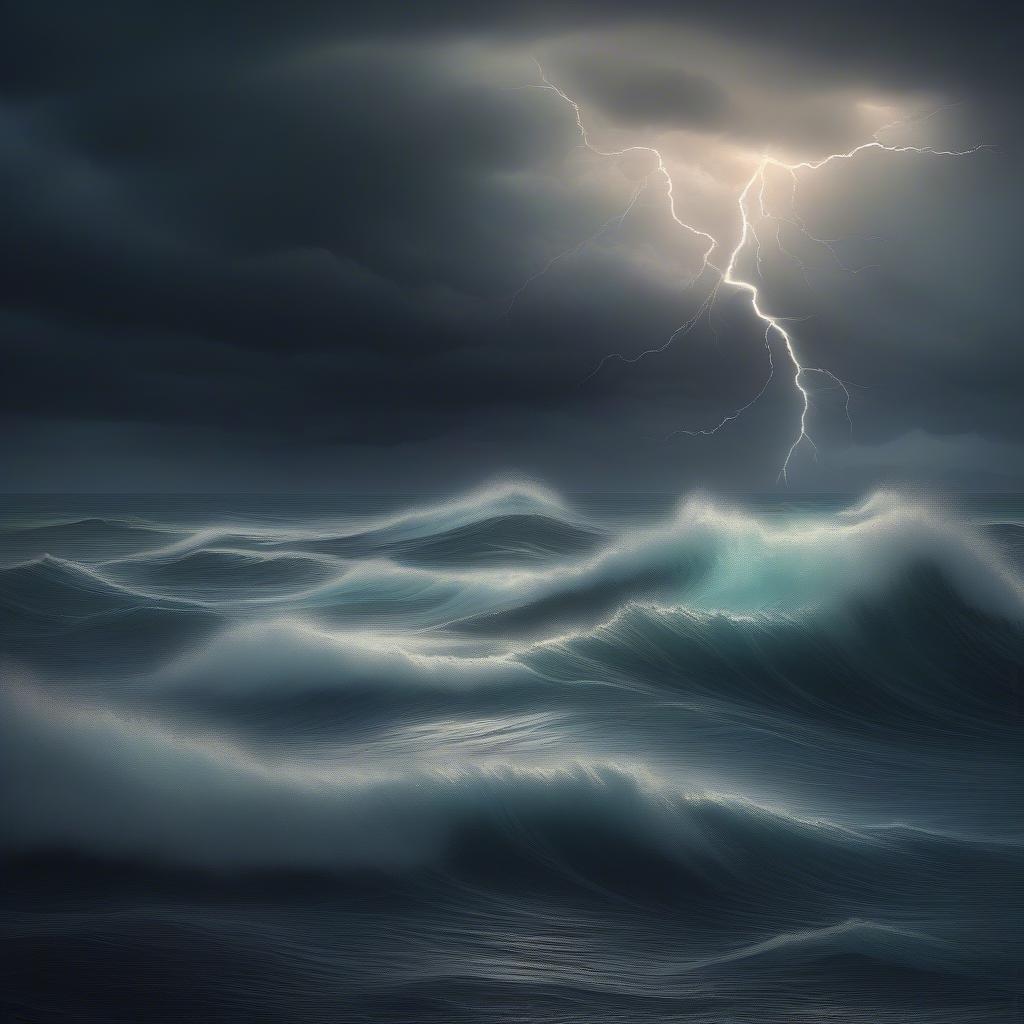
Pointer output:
x,y
601,837
95,538
499,756
492,575
287,680
913,661
164,778
499,540
901,649
713,558
63,616
225,574
1009,540
58,588
518,503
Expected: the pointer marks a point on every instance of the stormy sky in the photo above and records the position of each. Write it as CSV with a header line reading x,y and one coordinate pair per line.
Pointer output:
x,y
275,247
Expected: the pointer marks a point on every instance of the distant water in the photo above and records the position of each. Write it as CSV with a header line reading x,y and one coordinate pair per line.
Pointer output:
x,y
512,757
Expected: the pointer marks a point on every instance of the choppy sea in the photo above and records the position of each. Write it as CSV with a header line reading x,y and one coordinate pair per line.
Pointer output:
x,y
512,756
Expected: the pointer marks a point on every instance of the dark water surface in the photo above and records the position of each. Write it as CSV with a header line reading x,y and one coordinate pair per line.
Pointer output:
x,y
512,757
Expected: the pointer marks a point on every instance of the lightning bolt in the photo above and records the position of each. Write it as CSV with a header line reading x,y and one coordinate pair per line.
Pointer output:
x,y
729,275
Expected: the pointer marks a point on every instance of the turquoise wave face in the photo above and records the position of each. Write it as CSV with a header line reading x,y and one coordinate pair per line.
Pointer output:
x,y
648,764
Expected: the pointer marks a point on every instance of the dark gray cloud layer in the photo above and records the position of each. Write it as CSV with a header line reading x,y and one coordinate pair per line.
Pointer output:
x,y
272,245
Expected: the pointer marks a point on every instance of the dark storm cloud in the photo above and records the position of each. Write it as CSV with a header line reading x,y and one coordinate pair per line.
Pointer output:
x,y
295,227
57,43
636,92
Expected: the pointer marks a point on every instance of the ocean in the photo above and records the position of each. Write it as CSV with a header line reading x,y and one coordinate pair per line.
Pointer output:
x,y
512,756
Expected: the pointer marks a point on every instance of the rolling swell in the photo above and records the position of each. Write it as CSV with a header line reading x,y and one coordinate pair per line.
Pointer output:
x,y
587,834
499,759
75,538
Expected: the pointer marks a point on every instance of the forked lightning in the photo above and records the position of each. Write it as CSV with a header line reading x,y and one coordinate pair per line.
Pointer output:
x,y
753,192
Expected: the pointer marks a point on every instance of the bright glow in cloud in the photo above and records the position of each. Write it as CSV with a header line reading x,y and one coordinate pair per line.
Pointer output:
x,y
754,208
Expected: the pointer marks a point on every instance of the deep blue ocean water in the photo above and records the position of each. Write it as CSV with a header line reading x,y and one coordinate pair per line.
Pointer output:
x,y
512,756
